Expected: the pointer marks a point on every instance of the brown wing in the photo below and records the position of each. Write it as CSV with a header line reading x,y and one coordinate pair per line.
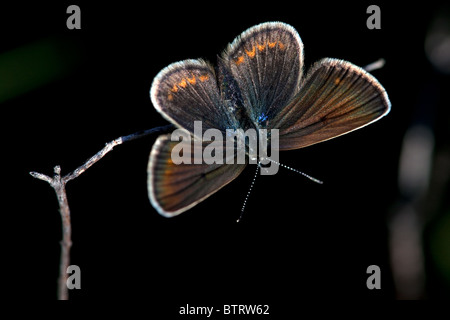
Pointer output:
x,y
187,91
335,98
175,188
266,61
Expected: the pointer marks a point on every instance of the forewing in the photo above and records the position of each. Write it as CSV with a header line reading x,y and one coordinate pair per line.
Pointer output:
x,y
185,92
335,98
266,61
175,188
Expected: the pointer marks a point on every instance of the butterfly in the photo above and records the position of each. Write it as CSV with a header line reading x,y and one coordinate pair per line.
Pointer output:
x,y
258,83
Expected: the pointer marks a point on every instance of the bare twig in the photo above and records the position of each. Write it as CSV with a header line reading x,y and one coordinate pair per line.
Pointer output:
x,y
58,183
375,65
110,145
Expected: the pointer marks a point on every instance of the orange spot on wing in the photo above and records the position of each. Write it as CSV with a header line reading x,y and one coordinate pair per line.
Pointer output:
x,y
281,45
252,53
336,81
183,83
239,60
261,47
170,97
191,80
174,88
203,78
272,44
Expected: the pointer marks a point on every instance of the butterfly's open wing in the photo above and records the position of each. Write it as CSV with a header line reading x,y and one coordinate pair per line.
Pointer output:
x,y
266,61
335,98
187,91
175,188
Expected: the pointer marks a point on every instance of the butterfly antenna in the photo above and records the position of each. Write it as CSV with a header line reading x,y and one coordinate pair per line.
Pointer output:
x,y
375,65
249,191
295,170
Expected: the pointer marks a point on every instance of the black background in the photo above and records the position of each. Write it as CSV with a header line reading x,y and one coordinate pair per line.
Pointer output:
x,y
297,241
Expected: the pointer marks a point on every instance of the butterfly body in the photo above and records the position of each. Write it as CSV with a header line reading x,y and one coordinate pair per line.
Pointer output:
x,y
258,85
